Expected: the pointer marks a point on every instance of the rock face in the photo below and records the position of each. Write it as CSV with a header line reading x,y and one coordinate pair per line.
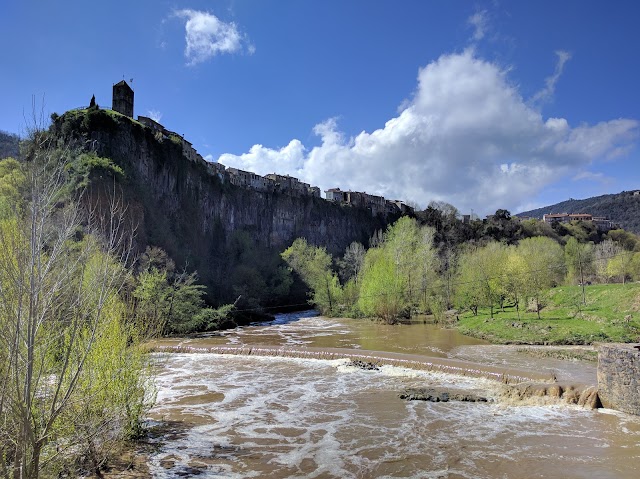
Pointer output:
x,y
619,377
195,216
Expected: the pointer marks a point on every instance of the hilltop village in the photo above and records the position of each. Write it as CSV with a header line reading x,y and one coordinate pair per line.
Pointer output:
x,y
123,101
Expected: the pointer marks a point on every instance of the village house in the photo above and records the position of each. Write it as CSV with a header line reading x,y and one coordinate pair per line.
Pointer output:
x,y
248,179
122,102
334,194
217,169
290,185
600,222
377,204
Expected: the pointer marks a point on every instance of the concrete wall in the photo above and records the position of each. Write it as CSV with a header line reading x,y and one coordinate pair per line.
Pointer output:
x,y
619,377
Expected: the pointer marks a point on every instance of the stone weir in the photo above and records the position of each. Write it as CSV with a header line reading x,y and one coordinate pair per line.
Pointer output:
x,y
377,358
619,377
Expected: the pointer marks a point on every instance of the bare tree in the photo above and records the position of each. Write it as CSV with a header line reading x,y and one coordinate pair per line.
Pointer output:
x,y
60,275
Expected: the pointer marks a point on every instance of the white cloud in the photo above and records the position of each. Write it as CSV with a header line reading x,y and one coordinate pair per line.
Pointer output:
x,y
550,82
591,176
155,115
466,137
480,22
207,36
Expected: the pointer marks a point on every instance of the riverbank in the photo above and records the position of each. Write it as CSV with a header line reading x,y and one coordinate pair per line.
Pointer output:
x,y
611,314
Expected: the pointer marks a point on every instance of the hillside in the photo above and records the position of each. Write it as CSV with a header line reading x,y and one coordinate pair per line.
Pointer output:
x,y
621,208
8,144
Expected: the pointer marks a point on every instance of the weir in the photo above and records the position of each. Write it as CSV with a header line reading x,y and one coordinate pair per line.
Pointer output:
x,y
619,377
379,358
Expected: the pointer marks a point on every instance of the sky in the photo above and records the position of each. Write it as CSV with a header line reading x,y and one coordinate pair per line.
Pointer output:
x,y
482,104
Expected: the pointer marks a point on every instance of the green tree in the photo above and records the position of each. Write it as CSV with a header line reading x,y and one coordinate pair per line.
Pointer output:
x,y
12,183
313,265
621,266
168,304
382,287
544,263
515,279
481,278
603,254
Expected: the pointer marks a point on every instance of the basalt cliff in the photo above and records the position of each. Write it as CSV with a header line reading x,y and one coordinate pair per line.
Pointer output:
x,y
201,220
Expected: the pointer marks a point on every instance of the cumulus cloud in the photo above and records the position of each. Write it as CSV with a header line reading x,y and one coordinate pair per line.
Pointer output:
x,y
207,36
480,22
466,137
550,82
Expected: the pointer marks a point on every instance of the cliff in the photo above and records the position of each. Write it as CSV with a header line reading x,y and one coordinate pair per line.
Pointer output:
x,y
200,220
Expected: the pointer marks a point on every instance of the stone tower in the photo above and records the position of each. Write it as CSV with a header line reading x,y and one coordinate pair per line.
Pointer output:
x,y
122,99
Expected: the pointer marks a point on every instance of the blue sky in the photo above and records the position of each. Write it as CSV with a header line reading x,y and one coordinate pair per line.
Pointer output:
x,y
485,105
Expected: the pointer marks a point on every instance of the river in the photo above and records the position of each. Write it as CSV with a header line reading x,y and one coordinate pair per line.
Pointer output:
x,y
269,415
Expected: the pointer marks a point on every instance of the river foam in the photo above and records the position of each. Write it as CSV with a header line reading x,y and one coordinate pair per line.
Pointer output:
x,y
288,417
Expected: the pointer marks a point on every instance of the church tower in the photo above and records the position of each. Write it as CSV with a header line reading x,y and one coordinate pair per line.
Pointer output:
x,y
122,100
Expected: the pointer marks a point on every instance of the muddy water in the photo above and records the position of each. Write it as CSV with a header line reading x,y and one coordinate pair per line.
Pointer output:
x,y
238,416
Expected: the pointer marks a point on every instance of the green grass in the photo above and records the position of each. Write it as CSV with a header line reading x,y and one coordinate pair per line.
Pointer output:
x,y
564,319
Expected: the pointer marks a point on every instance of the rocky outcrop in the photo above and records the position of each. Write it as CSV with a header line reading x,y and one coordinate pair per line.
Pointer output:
x,y
183,207
439,395
619,377
364,365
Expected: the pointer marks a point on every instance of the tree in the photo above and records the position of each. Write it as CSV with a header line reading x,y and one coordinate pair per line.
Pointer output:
x,y
167,302
502,214
579,263
481,280
620,265
605,252
313,265
543,259
60,277
515,277
352,262
382,288
12,183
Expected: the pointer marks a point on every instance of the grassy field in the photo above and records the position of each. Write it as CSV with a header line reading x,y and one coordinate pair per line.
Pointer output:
x,y
611,314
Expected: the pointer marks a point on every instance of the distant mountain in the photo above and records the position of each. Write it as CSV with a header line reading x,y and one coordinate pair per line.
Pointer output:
x,y
8,144
621,208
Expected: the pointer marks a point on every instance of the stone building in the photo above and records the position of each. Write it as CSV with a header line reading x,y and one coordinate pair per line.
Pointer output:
x,y
290,185
122,99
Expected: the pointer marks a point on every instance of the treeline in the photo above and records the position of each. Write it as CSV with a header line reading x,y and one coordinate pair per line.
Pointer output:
x,y
407,271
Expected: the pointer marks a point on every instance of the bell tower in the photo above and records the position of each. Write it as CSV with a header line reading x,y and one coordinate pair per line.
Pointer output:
x,y
122,100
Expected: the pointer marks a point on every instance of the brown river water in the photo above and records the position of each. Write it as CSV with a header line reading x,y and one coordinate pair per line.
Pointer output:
x,y
284,404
